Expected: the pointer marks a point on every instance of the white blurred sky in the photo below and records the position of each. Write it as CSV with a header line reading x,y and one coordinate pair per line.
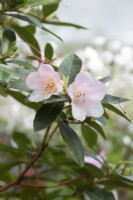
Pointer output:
x,y
110,18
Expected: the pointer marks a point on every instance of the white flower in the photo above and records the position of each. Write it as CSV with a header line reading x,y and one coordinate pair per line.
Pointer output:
x,y
44,83
86,95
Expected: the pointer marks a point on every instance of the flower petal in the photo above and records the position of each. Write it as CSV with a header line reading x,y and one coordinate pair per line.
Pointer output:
x,y
78,112
45,70
33,80
94,109
59,86
37,96
96,91
71,90
83,78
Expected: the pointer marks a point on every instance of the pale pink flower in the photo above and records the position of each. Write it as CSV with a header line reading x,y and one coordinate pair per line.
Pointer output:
x,y
86,95
44,83
98,161
92,161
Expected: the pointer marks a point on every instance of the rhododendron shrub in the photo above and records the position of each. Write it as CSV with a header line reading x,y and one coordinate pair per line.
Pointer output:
x,y
71,107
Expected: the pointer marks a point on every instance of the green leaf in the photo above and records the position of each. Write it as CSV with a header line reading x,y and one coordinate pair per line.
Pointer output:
x,y
18,84
73,143
56,99
9,38
22,99
116,110
26,65
113,100
47,30
21,140
33,21
9,150
14,3
27,18
46,115
105,195
90,196
41,2
105,79
94,170
15,71
49,51
89,135
99,195
49,9
97,127
57,23
5,77
70,67
28,37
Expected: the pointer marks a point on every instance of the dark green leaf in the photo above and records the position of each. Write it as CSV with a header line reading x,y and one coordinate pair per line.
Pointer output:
x,y
27,18
57,23
105,195
56,99
47,30
46,115
89,135
5,167
33,21
28,37
94,170
9,150
9,38
114,109
90,196
99,195
14,3
49,51
21,140
97,127
41,2
73,143
70,67
105,79
49,9
113,100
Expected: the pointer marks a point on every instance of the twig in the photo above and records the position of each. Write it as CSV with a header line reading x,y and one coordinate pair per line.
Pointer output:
x,y
18,180
67,182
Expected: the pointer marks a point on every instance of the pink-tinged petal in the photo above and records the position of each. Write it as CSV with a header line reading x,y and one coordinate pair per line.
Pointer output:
x,y
59,86
78,112
71,90
83,78
45,70
38,95
92,161
56,76
33,80
96,91
94,109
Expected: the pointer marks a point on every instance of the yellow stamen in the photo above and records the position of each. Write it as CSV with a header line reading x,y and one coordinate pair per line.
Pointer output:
x,y
79,96
50,86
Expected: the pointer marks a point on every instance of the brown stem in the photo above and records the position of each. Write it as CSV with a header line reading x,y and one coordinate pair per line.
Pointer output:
x,y
56,185
18,180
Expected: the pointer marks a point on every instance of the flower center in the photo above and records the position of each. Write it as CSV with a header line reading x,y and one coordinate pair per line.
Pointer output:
x,y
80,97
50,86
